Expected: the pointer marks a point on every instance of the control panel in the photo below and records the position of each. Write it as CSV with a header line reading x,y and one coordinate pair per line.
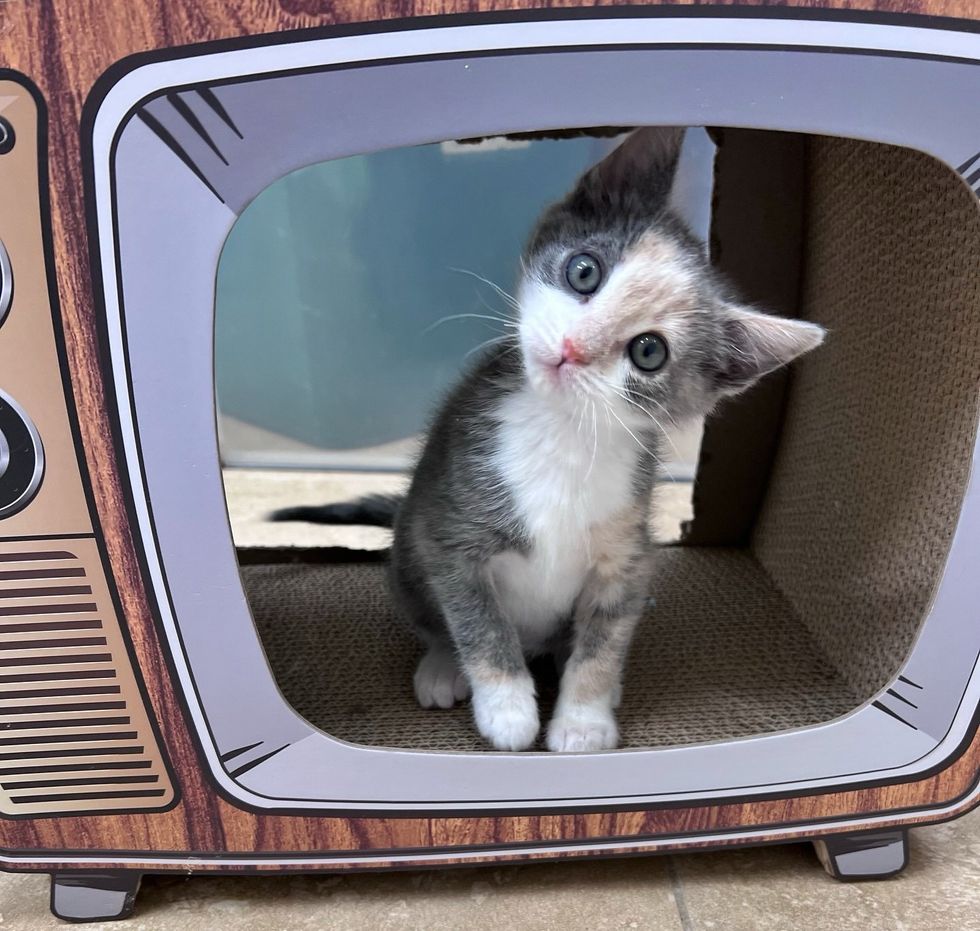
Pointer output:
x,y
92,746
41,491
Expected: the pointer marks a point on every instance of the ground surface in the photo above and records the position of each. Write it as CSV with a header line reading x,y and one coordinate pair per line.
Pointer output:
x,y
766,889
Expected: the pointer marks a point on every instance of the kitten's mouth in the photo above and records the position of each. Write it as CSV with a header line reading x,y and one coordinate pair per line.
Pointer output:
x,y
560,376
564,363
558,371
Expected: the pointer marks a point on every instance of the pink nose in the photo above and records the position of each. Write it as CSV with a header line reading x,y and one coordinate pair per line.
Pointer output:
x,y
570,352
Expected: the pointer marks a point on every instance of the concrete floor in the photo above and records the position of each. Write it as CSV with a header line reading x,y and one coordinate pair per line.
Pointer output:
x,y
765,889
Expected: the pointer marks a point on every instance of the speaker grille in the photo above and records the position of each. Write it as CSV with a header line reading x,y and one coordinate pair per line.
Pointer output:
x,y
74,735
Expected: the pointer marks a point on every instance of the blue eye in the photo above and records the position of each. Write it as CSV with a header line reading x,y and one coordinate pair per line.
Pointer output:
x,y
583,273
648,352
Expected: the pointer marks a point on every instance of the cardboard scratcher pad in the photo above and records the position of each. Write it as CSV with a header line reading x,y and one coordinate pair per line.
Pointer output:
x,y
880,422
720,655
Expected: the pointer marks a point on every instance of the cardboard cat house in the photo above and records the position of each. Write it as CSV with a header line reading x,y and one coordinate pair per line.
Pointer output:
x,y
809,670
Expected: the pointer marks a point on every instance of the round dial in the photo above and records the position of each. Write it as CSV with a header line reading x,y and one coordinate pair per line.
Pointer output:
x,y
21,458
7,136
6,282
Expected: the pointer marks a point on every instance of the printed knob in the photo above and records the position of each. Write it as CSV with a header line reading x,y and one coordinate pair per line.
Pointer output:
x,y
6,282
21,458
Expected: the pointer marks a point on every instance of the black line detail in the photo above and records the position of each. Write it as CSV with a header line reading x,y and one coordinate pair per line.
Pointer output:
x,y
191,117
67,722
46,591
23,574
897,717
235,773
40,626
83,796
238,751
209,97
75,767
66,707
54,660
895,694
164,135
974,176
36,557
56,676
81,781
962,168
68,692
65,738
914,685
51,644
63,754
20,610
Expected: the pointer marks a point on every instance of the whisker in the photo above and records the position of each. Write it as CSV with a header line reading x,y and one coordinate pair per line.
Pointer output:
x,y
581,416
647,413
489,306
595,441
646,397
489,342
509,298
648,451
442,320
660,406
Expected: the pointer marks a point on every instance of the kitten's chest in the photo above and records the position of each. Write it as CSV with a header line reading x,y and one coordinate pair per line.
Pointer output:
x,y
565,473
567,479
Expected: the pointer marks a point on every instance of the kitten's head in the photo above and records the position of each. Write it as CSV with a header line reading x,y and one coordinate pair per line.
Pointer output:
x,y
618,303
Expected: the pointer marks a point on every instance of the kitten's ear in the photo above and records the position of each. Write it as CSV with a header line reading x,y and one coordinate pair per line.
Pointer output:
x,y
755,343
641,169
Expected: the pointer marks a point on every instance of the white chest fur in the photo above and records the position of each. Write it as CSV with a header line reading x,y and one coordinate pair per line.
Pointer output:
x,y
568,473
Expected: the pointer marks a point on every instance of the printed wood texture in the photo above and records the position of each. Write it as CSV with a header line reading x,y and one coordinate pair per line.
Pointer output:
x,y
63,47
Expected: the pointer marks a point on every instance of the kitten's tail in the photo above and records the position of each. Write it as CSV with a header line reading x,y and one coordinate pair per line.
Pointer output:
x,y
369,511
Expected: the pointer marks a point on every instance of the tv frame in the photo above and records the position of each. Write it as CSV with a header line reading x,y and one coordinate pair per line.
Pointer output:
x,y
98,855
174,186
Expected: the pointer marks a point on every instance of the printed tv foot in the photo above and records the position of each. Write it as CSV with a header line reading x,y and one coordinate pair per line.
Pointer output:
x,y
852,857
94,896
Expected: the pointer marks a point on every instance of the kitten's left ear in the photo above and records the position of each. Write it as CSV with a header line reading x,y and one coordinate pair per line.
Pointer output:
x,y
640,169
755,343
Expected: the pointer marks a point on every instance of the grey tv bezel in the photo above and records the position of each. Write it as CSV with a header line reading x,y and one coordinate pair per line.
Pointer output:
x,y
163,213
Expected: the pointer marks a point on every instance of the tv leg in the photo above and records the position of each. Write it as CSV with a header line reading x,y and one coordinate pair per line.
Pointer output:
x,y
872,855
94,896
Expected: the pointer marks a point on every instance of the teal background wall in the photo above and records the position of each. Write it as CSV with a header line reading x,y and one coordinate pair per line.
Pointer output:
x,y
332,281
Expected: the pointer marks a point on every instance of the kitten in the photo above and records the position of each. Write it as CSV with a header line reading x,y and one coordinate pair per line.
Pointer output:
x,y
524,529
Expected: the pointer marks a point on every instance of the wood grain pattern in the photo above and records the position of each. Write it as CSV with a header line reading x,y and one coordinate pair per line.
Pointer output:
x,y
42,40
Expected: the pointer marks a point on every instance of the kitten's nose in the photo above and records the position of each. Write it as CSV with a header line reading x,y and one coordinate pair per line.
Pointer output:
x,y
570,352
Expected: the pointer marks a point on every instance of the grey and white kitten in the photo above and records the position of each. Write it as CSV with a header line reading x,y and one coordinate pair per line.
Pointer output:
x,y
524,529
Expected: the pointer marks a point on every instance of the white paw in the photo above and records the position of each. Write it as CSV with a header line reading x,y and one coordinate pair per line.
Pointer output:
x,y
582,729
506,713
439,682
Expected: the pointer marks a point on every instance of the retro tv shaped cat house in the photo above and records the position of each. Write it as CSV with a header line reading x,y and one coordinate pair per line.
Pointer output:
x,y
809,670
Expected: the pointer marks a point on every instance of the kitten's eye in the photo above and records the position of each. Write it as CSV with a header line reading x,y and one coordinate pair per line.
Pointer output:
x,y
648,352
583,273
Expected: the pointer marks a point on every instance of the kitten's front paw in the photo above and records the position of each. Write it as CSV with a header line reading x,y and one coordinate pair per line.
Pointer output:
x,y
506,713
439,682
579,729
